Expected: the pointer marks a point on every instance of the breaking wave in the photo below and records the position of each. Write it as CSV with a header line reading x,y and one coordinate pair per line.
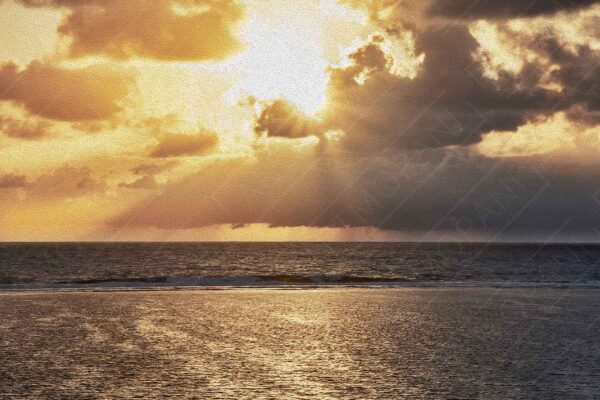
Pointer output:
x,y
284,281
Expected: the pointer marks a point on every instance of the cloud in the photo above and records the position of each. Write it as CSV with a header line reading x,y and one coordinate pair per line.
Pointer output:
x,y
394,16
578,73
91,93
450,101
404,158
12,181
178,145
236,190
23,129
420,192
195,30
153,169
568,64
65,182
278,118
144,182
494,9
147,175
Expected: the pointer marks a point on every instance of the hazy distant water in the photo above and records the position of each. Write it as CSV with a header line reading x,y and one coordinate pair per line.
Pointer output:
x,y
481,343
248,264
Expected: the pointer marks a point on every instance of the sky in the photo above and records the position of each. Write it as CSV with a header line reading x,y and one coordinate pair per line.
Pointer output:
x,y
216,120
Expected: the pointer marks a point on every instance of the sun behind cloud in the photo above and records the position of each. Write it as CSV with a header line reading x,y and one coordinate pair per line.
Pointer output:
x,y
178,119
286,53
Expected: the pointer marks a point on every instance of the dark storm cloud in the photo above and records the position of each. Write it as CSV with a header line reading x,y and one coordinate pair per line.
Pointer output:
x,y
450,102
578,73
572,68
437,190
496,9
91,93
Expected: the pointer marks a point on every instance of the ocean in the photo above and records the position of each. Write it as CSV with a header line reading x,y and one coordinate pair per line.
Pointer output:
x,y
299,321
56,265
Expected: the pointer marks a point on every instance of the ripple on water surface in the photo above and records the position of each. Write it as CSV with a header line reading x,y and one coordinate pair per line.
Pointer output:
x,y
329,343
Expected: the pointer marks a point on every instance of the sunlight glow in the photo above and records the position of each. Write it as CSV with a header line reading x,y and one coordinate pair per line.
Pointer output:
x,y
284,59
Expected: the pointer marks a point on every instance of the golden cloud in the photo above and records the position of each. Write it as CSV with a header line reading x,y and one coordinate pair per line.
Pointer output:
x,y
281,119
24,129
12,181
66,181
92,93
177,145
144,182
195,30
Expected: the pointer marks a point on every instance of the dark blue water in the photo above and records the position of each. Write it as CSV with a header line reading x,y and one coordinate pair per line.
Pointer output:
x,y
250,264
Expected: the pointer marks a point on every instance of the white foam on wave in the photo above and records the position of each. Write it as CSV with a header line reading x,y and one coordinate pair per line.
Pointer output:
x,y
285,281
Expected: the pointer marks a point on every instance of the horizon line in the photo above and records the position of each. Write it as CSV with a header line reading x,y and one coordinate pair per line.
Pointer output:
x,y
557,243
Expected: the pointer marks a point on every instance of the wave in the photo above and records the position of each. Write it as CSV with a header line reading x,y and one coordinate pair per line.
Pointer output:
x,y
284,281
254,280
